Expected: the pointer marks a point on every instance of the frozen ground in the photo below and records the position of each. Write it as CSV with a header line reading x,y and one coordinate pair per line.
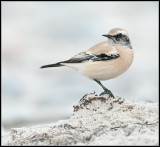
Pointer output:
x,y
96,120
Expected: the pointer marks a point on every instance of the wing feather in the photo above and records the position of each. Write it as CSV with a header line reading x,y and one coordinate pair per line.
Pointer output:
x,y
88,56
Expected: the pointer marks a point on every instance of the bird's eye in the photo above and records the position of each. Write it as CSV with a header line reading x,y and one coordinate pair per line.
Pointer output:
x,y
119,35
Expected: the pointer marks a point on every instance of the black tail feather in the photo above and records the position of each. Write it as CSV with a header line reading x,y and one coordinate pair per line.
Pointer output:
x,y
52,65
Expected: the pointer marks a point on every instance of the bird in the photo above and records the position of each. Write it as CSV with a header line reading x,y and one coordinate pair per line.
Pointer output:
x,y
105,60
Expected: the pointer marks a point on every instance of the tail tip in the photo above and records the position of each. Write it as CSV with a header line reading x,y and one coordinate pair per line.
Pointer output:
x,y
42,67
51,65
45,66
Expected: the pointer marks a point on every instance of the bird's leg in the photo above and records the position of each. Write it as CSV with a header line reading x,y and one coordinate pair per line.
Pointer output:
x,y
106,91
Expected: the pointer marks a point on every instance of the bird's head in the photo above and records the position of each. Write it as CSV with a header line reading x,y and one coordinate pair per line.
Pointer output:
x,y
118,36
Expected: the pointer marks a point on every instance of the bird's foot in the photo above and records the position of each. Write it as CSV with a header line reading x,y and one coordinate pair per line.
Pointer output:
x,y
108,92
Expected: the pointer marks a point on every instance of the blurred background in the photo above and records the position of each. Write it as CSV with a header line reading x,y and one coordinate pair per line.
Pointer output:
x,y
39,33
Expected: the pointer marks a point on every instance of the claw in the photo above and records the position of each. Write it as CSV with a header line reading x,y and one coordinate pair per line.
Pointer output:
x,y
109,93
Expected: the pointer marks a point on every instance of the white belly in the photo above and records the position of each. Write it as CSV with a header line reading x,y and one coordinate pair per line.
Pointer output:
x,y
103,71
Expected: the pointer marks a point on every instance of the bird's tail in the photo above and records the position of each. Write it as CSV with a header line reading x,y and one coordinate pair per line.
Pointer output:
x,y
52,65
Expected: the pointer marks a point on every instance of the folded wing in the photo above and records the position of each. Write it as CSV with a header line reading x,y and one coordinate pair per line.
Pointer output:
x,y
91,56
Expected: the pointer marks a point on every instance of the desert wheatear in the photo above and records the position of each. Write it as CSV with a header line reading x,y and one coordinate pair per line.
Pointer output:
x,y
103,61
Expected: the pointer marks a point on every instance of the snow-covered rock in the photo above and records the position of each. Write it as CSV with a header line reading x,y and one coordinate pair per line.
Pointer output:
x,y
96,120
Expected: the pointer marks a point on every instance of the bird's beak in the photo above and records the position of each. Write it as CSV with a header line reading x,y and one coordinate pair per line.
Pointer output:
x,y
107,35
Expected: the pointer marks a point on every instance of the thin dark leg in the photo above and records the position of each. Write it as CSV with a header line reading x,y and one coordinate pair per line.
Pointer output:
x,y
106,91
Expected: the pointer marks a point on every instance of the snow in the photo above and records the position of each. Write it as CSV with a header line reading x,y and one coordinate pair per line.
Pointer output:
x,y
96,120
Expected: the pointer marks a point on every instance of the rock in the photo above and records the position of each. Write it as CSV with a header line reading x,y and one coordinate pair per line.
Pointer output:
x,y
96,120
